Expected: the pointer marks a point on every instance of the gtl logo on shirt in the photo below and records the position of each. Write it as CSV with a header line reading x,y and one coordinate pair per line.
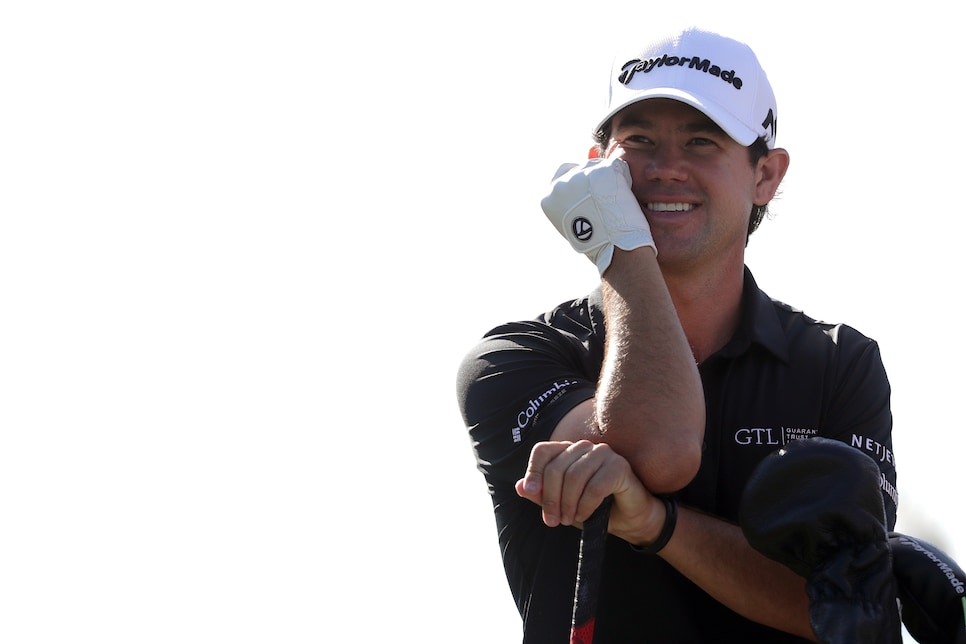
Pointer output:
x,y
772,436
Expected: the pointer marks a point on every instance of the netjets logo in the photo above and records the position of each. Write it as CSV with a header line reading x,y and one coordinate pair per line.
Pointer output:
x,y
583,229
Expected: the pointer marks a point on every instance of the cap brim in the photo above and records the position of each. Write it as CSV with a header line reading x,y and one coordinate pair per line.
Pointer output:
x,y
732,126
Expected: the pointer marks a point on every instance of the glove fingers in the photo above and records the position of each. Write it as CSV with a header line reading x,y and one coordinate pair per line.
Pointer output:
x,y
592,207
563,169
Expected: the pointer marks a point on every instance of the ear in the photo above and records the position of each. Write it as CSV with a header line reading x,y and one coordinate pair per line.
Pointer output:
x,y
770,172
592,154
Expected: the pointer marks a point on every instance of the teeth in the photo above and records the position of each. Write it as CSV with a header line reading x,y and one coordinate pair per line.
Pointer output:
x,y
669,207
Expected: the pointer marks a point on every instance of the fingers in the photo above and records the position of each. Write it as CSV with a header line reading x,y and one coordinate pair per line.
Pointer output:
x,y
569,480
531,486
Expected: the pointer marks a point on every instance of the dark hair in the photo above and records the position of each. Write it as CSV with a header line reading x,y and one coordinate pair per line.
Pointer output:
x,y
756,151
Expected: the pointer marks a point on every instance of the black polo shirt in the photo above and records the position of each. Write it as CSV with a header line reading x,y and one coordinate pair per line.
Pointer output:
x,y
783,377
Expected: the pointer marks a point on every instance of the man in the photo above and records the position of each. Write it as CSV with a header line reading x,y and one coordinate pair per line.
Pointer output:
x,y
666,386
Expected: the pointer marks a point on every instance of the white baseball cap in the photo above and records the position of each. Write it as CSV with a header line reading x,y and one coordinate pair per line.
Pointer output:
x,y
719,76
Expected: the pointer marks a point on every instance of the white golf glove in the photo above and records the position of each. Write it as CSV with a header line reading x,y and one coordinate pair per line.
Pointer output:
x,y
593,207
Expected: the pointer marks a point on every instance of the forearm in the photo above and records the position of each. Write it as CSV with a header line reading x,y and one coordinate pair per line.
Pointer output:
x,y
715,555
650,402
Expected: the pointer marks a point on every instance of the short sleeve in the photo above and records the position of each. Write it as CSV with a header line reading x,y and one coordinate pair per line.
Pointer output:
x,y
517,383
859,411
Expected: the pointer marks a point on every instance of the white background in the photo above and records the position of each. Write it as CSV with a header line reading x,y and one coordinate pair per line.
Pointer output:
x,y
244,246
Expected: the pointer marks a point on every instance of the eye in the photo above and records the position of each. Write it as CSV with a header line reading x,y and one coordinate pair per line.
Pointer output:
x,y
634,140
701,141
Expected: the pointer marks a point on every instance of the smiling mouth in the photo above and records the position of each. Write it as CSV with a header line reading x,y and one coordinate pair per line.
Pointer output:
x,y
669,207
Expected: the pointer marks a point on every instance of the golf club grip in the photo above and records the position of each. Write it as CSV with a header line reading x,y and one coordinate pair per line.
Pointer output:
x,y
590,563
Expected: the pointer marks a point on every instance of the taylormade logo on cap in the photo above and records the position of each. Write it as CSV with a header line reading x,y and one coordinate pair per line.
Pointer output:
x,y
631,67
719,76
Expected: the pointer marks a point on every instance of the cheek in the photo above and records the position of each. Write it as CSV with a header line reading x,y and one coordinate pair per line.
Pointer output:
x,y
612,145
635,159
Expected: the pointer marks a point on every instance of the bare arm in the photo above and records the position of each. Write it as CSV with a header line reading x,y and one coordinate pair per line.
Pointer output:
x,y
649,404
569,480
715,555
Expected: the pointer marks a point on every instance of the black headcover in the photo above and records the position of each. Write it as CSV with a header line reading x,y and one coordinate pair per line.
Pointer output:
x,y
932,594
816,507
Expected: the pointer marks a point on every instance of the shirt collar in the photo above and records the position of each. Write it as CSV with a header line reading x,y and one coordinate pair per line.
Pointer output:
x,y
759,324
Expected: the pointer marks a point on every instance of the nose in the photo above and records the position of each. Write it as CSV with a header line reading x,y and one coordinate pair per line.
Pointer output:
x,y
664,163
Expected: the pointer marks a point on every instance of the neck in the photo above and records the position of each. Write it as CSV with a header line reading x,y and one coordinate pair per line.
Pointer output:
x,y
709,308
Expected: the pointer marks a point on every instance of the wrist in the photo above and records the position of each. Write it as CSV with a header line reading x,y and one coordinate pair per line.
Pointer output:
x,y
667,529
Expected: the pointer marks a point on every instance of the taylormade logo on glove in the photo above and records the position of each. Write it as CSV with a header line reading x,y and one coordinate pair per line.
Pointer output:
x,y
593,207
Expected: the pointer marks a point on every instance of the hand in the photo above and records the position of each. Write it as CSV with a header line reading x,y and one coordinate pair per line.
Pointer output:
x,y
593,207
569,480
